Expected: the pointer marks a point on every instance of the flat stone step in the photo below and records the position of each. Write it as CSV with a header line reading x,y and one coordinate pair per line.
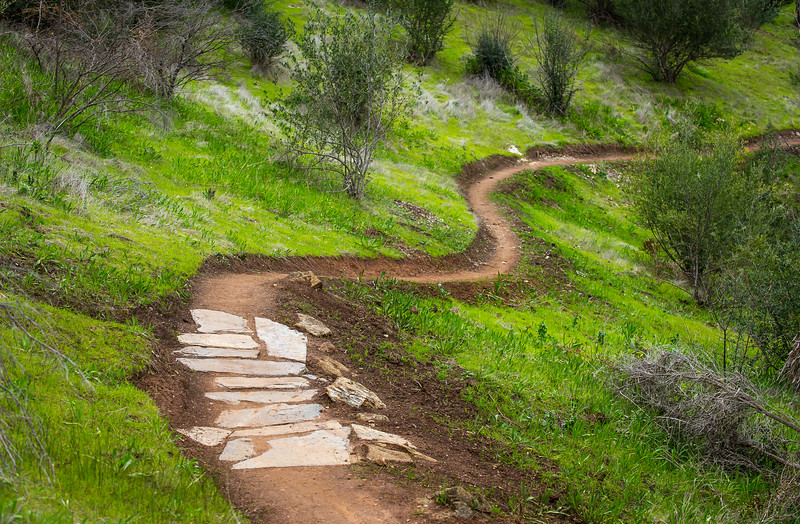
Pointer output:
x,y
211,321
236,450
205,435
282,341
262,397
286,429
271,415
262,383
197,351
243,367
218,341
320,448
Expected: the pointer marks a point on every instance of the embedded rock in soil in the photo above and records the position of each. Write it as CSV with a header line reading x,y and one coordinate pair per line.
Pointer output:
x,y
282,341
218,341
455,494
312,326
331,367
372,417
205,435
271,415
320,448
261,382
462,510
243,367
305,276
262,397
327,347
239,449
211,321
383,456
197,351
353,394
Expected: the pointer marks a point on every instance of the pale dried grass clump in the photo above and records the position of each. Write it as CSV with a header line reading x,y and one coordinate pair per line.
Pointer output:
x,y
721,414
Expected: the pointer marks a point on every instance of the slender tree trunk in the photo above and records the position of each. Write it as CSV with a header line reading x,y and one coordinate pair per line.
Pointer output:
x,y
797,12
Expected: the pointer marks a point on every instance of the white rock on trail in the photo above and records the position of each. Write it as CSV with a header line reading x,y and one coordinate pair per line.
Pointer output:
x,y
237,450
282,341
205,435
218,341
211,321
261,383
197,351
286,429
243,367
271,415
320,448
262,397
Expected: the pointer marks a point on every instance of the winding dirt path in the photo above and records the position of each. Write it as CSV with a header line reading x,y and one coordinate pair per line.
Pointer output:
x,y
338,494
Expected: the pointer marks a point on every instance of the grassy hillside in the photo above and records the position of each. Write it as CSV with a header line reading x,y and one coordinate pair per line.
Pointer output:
x,y
121,215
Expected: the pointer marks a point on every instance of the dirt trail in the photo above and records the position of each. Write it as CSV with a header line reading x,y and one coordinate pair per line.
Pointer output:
x,y
340,493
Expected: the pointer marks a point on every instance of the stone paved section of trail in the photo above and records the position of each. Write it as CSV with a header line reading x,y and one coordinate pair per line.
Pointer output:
x,y
268,418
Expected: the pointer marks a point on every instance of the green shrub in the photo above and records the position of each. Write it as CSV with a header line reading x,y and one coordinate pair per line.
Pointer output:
x,y
756,13
560,54
426,22
263,34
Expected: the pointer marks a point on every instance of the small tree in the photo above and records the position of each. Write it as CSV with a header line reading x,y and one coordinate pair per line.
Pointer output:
x,y
672,33
691,201
348,96
263,34
426,22
560,54
180,41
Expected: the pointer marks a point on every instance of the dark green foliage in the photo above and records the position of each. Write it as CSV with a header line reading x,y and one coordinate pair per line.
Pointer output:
x,y
557,3
671,33
426,22
756,13
493,56
692,201
560,53
263,34
348,96
493,48
601,11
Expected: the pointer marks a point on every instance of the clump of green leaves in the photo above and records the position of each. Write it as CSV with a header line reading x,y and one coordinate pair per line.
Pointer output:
x,y
263,34
426,22
348,96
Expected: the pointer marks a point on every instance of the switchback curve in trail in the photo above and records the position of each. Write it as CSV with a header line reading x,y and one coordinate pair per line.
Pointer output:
x,y
288,459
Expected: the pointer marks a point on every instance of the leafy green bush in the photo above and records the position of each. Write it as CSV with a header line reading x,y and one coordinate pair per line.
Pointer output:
x,y
560,54
426,22
756,13
263,34
493,47
672,33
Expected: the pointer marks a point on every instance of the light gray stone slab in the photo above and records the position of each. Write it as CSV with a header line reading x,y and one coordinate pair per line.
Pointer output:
x,y
353,394
197,351
237,450
282,341
320,448
262,397
261,383
286,429
218,341
365,433
243,367
205,435
211,321
271,415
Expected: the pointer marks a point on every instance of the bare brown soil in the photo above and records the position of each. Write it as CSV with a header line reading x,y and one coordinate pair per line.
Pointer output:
x,y
430,411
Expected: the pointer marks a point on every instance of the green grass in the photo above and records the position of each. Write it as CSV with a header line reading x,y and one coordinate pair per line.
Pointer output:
x,y
539,344
126,210
113,456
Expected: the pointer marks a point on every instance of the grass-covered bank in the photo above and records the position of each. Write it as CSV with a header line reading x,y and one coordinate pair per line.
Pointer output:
x,y
123,212
539,343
